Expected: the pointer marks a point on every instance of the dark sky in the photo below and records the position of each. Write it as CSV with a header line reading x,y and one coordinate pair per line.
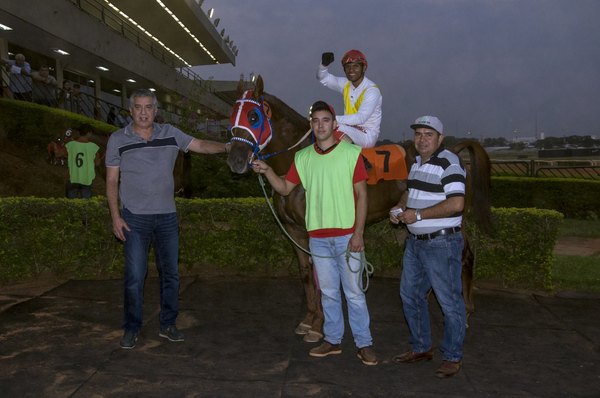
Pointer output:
x,y
486,68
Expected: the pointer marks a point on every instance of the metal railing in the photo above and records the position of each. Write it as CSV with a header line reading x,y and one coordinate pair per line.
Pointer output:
x,y
587,172
587,169
126,29
47,94
99,109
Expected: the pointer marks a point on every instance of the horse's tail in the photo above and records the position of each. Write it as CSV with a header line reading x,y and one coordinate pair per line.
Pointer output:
x,y
477,198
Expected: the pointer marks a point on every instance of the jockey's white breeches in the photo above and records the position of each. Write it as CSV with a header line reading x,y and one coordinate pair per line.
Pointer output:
x,y
363,139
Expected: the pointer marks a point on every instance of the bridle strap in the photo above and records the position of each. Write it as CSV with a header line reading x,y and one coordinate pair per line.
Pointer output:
x,y
240,139
263,157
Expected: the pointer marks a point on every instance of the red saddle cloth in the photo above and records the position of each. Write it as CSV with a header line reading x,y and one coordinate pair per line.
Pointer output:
x,y
387,163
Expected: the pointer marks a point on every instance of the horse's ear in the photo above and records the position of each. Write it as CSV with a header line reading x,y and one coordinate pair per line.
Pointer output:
x,y
241,87
258,87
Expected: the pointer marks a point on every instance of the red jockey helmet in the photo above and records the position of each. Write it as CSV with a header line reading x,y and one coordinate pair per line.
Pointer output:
x,y
354,56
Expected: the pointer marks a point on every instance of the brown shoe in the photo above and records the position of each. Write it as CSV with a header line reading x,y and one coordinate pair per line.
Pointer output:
x,y
411,356
448,369
367,355
325,349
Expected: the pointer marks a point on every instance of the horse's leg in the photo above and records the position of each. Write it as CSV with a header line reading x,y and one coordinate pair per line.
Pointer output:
x,y
314,316
50,151
467,277
291,208
312,324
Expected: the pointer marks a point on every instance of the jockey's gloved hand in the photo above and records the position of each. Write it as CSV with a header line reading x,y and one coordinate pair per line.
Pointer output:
x,y
326,59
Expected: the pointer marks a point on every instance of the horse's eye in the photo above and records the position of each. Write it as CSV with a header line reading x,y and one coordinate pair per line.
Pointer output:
x,y
254,118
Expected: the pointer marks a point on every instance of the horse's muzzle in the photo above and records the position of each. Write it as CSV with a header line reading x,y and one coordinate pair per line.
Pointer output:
x,y
239,158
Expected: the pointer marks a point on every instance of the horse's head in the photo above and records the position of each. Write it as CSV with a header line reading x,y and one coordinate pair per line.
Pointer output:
x,y
250,127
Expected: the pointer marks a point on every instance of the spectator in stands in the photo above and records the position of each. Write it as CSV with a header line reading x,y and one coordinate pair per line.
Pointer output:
x,y
64,99
77,99
97,110
111,118
123,118
44,87
6,93
20,77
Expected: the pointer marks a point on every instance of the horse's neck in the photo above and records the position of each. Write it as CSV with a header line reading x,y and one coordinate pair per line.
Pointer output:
x,y
282,161
284,138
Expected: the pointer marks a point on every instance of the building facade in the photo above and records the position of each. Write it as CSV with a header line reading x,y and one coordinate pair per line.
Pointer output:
x,y
108,48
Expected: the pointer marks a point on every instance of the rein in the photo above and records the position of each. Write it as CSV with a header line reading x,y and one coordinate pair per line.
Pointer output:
x,y
267,156
256,148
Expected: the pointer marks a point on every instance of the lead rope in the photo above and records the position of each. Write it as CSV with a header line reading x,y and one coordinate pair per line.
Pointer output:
x,y
365,267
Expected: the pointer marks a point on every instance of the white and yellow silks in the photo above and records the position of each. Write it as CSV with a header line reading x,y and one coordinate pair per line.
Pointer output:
x,y
349,108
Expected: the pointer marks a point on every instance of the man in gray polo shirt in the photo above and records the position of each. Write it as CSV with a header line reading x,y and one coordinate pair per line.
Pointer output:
x,y
139,173
433,208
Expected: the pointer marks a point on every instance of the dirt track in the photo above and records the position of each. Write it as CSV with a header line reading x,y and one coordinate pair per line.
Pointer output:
x,y
573,246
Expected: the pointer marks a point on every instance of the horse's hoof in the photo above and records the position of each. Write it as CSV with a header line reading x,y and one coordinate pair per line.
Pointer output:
x,y
302,329
313,337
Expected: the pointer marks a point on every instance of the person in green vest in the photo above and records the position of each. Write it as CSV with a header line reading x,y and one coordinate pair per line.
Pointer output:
x,y
334,178
83,157
361,121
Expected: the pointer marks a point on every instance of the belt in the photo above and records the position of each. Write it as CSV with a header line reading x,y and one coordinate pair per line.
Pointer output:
x,y
441,232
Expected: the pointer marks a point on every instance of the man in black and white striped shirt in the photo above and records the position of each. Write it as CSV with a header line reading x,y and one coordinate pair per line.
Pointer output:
x,y
432,211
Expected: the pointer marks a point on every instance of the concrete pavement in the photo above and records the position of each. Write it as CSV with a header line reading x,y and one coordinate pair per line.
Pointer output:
x,y
62,340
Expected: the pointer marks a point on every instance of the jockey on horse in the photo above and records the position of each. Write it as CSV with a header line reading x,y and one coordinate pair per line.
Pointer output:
x,y
362,99
361,121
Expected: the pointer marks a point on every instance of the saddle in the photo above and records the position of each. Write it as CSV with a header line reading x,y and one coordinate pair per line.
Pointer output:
x,y
387,163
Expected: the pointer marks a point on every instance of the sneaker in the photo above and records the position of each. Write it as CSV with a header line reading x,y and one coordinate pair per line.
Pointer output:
x,y
367,355
448,369
325,349
171,333
129,339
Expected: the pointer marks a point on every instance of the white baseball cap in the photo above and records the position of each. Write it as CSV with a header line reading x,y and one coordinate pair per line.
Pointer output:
x,y
431,122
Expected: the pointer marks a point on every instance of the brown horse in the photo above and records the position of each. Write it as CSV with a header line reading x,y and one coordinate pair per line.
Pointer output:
x,y
264,127
57,152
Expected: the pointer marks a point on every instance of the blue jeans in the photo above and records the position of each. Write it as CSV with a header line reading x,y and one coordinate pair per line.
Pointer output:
x,y
161,230
74,191
330,273
436,264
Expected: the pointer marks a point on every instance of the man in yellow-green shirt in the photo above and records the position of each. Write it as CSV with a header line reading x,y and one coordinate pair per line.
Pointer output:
x,y
83,157
334,178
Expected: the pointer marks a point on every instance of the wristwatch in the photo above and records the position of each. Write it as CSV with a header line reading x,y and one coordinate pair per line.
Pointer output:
x,y
418,215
